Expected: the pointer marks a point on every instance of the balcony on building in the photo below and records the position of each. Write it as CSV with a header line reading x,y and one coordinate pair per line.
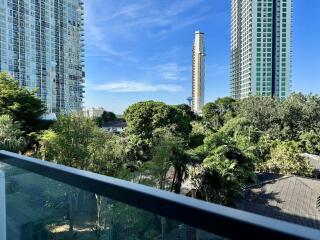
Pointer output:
x,y
42,200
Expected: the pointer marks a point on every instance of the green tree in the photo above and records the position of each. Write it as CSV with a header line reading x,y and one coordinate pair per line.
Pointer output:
x,y
107,153
218,112
137,150
168,153
21,104
261,150
139,118
310,142
11,137
144,117
262,112
291,114
198,133
285,159
283,119
211,116
98,121
76,141
108,116
186,110
242,131
311,110
216,181
224,170
107,156
68,140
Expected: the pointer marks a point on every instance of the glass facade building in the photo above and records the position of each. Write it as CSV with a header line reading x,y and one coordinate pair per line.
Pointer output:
x,y
41,46
261,48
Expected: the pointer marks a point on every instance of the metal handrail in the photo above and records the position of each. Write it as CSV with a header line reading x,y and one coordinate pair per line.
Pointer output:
x,y
219,220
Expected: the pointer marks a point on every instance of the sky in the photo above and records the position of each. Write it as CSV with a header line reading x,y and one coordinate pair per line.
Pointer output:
x,y
137,50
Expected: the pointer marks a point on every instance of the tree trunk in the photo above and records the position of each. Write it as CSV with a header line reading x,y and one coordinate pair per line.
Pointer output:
x,y
70,212
173,180
177,185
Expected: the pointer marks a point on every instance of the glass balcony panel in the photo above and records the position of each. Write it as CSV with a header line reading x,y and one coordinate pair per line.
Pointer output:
x,y
37,207
37,202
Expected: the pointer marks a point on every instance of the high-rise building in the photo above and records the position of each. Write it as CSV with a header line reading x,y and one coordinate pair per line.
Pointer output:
x,y
93,112
198,72
261,48
41,45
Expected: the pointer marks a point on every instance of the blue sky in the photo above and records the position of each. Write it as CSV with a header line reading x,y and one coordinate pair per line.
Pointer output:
x,y
139,50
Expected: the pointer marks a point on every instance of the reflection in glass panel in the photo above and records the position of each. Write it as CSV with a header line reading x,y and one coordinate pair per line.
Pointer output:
x,y
44,209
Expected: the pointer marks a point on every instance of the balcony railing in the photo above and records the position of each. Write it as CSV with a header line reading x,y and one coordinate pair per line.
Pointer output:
x,y
42,200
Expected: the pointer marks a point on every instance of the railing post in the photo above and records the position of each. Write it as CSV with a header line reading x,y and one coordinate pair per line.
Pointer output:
x,y
2,206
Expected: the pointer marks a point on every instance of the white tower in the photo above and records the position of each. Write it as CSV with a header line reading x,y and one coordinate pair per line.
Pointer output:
x,y
198,72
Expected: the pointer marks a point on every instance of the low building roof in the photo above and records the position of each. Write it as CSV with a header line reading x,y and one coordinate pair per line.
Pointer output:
x,y
289,198
314,161
115,124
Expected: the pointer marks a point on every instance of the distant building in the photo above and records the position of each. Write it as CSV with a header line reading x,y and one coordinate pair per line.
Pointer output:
x,y
261,48
94,112
189,99
49,117
41,46
198,72
115,126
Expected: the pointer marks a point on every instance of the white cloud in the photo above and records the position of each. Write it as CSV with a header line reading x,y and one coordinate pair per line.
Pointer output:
x,y
136,86
98,34
108,22
182,6
172,71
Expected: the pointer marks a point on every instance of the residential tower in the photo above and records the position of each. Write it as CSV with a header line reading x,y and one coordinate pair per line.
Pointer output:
x,y
41,46
261,48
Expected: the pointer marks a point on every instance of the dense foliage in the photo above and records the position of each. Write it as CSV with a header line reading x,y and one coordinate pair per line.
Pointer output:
x,y
20,112
11,137
108,116
105,118
78,142
211,157
144,118
218,112
21,104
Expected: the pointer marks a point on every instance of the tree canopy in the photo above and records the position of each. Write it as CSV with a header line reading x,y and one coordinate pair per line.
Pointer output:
x,y
221,152
18,102
144,117
218,112
108,116
11,137
164,145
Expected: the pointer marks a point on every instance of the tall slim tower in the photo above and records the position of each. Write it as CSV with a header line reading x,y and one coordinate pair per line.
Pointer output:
x,y
198,72
41,45
261,48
